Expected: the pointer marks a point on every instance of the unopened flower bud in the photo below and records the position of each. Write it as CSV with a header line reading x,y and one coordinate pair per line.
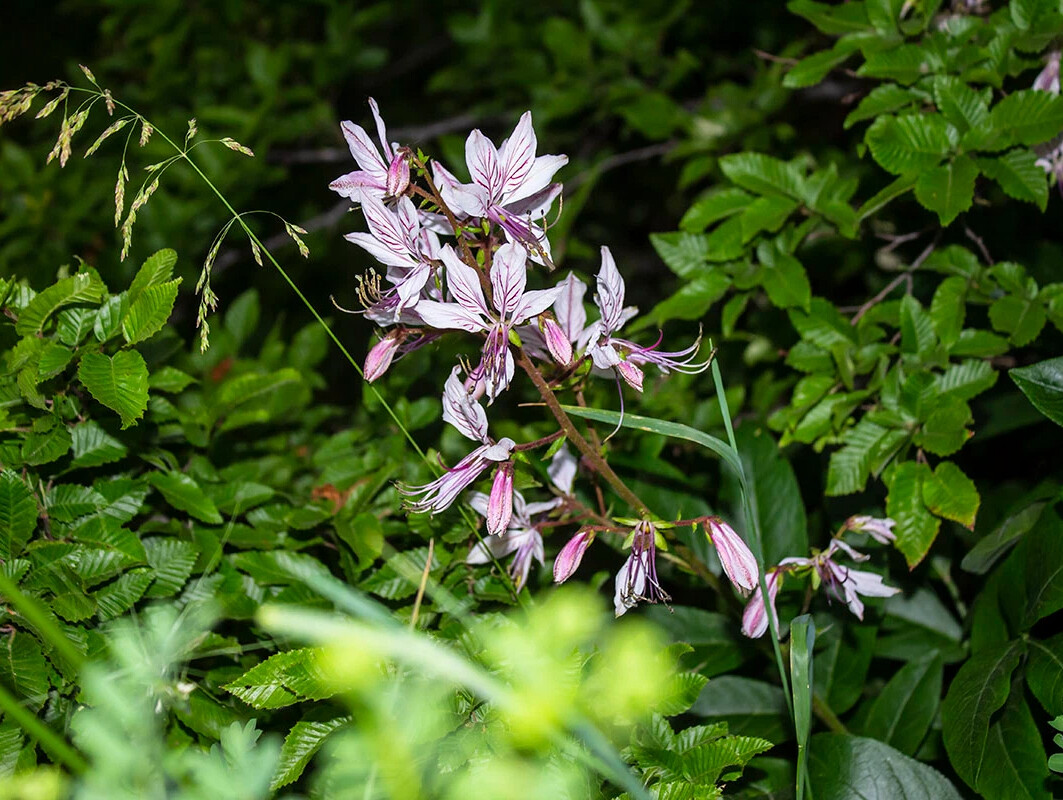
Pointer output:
x,y
568,560
556,341
500,503
881,530
631,374
398,179
381,355
755,617
735,557
1047,79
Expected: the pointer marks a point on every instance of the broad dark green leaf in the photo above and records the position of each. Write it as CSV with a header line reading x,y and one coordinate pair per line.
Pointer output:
x,y
908,144
1042,383
853,768
1016,765
182,492
93,446
948,190
18,514
905,708
1044,672
916,527
81,288
750,707
119,382
949,493
302,742
1019,176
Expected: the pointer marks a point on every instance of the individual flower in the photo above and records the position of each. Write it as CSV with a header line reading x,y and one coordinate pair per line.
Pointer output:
x,y
568,560
469,418
513,305
562,469
500,502
735,557
881,530
396,240
377,176
1047,79
1050,153
844,582
510,186
381,355
637,579
609,352
755,617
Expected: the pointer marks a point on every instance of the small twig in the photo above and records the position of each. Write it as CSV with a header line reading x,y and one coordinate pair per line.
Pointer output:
x,y
904,277
974,237
424,583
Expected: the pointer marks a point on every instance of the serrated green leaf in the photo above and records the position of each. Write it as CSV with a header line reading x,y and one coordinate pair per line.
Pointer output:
x,y
766,214
281,680
92,446
709,209
916,527
764,174
302,742
692,301
182,492
46,446
961,105
949,493
683,253
245,388
948,190
172,560
880,100
54,359
865,446
108,318
948,309
1042,383
122,593
18,515
1019,316
967,379
832,19
119,382
908,144
917,328
68,501
814,68
1025,117
905,64
149,312
81,288
979,689
157,269
1019,176
23,668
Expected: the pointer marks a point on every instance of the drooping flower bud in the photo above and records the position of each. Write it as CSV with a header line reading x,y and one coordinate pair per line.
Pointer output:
x,y
556,341
1047,79
398,179
568,560
735,557
881,530
381,354
500,502
755,617
631,374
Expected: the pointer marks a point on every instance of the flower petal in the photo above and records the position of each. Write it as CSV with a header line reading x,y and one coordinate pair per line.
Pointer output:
x,y
381,131
537,179
354,185
461,411
364,151
509,276
571,315
610,294
482,160
517,155
449,316
380,251
463,282
535,302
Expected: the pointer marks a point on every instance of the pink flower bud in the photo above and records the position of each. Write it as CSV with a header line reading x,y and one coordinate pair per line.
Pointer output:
x,y
568,560
755,617
500,503
735,557
398,175
631,374
1047,79
380,355
557,342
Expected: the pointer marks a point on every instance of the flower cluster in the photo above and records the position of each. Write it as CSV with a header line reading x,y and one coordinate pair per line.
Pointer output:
x,y
475,280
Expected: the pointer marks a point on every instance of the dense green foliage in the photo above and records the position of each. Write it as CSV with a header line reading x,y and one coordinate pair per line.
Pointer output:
x,y
204,551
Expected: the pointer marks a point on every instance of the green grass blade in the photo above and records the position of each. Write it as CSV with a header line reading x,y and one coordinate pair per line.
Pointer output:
x,y
802,639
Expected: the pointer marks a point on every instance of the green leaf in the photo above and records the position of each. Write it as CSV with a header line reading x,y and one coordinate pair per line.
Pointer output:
x,y
281,680
848,767
1019,768
54,358
1044,673
867,446
783,277
1026,13
887,195
905,708
949,493
1036,566
979,689
119,382
916,527
832,19
1016,524
93,446
122,593
948,309
948,190
716,643
683,253
961,105
46,446
1020,316
763,174
1025,117
18,515
766,214
170,379
880,100
302,742
692,301
917,328
812,69
1042,383
843,657
910,143
81,288
1019,176
905,64
245,388
172,560
945,431
68,501
966,379
149,312
108,318
707,210
157,269
182,492
750,707
23,668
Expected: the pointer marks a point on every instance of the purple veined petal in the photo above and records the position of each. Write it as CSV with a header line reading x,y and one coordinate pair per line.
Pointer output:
x,y
534,303
463,282
500,450
439,494
482,161
1047,79
364,151
735,556
466,200
538,178
568,560
562,469
610,294
381,252
461,411
477,502
449,316
499,366
443,176
881,530
557,343
409,223
428,244
604,356
535,206
869,584
500,501
571,315
534,509
509,276
530,547
517,155
630,584
357,184
533,342
837,544
436,223
631,374
755,616
381,131
388,226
